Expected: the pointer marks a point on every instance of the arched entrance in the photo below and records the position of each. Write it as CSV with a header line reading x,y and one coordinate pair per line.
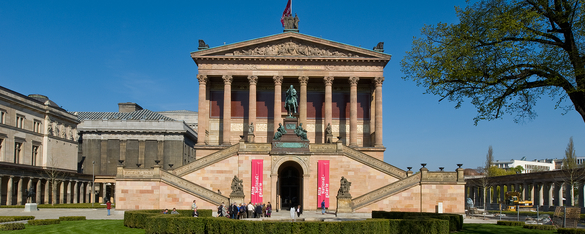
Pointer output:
x,y
290,185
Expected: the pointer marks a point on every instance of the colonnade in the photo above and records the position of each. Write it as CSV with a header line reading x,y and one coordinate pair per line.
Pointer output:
x,y
545,194
13,190
204,106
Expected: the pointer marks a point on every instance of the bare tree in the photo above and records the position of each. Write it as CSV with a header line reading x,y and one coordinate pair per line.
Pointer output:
x,y
53,175
572,172
485,182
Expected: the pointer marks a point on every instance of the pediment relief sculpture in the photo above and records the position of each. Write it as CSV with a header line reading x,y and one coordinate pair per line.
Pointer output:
x,y
292,48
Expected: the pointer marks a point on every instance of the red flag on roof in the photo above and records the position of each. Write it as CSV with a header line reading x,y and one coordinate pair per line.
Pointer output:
x,y
287,12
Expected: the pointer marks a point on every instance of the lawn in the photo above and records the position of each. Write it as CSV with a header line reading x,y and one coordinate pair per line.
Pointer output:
x,y
86,226
492,228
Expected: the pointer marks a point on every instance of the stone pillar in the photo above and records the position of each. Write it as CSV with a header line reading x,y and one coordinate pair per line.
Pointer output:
x,y
47,199
488,197
92,192
353,81
61,192
277,101
558,194
569,194
76,192
581,189
328,80
69,197
203,110
524,190
104,192
39,191
227,109
19,192
379,114
537,190
88,195
252,99
502,193
303,100
1,189
9,191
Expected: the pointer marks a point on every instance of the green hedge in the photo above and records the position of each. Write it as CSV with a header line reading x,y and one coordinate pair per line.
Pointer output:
x,y
455,220
138,218
72,218
43,222
177,224
4,220
11,226
17,218
570,231
510,223
539,227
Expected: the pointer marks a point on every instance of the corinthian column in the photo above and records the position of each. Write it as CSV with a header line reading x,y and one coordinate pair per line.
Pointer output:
x,y
203,110
303,100
277,101
227,109
252,99
353,111
379,117
328,80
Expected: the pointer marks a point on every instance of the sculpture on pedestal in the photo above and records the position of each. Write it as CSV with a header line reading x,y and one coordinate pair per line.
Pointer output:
x,y
290,101
328,134
343,191
302,133
237,187
279,132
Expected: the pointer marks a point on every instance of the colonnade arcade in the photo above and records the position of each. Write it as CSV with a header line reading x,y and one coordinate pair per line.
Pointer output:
x,y
545,189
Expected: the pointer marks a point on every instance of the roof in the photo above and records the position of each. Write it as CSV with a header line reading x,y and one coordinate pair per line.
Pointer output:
x,y
136,115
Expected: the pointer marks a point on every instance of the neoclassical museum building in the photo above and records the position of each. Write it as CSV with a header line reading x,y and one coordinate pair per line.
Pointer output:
x,y
250,147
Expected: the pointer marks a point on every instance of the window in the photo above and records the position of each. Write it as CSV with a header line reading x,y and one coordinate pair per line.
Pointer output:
x,y
17,151
2,117
19,121
37,126
35,153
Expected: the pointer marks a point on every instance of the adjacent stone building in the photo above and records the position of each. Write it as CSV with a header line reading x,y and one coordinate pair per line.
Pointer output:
x,y
134,137
38,149
242,93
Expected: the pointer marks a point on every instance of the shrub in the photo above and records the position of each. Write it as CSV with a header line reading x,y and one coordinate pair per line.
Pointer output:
x,y
71,218
11,226
455,220
426,225
510,223
43,222
3,220
138,218
539,227
17,218
570,231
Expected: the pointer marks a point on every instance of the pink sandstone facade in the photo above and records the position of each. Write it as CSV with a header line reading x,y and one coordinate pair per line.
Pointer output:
x,y
244,83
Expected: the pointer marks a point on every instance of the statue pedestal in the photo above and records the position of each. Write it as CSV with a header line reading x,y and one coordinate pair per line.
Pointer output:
x,y
344,205
250,138
28,207
329,138
290,142
238,199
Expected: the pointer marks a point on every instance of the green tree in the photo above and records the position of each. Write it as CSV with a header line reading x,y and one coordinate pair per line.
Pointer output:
x,y
503,56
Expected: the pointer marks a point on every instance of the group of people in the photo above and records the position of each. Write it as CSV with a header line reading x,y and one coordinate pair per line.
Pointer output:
x,y
244,211
166,211
174,211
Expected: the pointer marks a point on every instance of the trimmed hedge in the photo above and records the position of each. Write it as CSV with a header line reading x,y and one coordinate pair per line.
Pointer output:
x,y
4,220
422,225
570,231
539,227
11,226
455,220
177,224
511,223
72,218
138,218
17,218
37,222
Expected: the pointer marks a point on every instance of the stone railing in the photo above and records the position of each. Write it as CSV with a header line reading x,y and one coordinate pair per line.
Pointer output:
x,y
373,162
440,177
194,189
385,191
206,161
323,148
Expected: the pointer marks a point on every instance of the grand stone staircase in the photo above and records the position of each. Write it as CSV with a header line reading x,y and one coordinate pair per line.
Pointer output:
x,y
373,162
206,161
193,189
386,191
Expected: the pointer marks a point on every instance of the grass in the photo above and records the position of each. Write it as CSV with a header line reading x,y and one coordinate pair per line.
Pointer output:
x,y
492,228
86,226
64,206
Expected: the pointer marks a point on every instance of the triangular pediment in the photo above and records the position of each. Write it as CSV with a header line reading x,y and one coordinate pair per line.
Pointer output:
x,y
290,45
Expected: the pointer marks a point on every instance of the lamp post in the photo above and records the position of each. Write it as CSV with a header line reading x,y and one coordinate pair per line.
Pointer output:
x,y
93,183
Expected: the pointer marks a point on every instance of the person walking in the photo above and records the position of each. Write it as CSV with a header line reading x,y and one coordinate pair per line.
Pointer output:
x,y
268,210
299,211
323,207
292,214
108,206
193,208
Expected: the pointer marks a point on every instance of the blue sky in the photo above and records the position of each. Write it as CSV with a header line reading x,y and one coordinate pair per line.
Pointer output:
x,y
91,55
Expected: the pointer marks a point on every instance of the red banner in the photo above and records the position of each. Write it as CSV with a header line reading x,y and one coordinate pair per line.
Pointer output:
x,y
257,175
323,182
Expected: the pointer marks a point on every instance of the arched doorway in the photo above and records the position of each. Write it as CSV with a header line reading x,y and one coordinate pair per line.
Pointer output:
x,y
290,185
